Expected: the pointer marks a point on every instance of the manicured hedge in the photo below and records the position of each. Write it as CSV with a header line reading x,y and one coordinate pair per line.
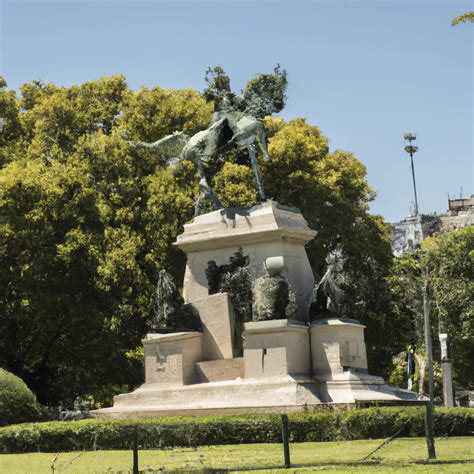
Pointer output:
x,y
197,431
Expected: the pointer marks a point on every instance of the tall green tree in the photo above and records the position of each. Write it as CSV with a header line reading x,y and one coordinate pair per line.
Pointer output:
x,y
87,222
451,262
447,263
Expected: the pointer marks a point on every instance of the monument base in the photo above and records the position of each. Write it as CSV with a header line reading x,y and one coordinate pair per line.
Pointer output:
x,y
283,395
236,396
288,365
272,377
351,387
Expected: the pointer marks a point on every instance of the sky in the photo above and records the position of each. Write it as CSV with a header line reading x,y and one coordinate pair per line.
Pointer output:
x,y
364,71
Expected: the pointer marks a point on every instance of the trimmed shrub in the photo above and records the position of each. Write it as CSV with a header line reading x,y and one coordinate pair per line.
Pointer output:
x,y
17,401
199,431
370,423
316,426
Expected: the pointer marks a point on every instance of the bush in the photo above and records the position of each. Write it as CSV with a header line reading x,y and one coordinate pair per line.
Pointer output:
x,y
198,431
17,401
398,377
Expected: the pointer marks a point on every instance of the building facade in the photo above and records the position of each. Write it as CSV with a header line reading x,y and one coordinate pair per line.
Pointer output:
x,y
411,231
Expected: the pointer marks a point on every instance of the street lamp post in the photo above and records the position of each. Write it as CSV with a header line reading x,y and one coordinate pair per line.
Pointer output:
x,y
429,353
411,149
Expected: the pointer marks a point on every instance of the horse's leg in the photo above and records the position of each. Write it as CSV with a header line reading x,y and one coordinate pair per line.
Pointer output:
x,y
261,137
253,159
206,191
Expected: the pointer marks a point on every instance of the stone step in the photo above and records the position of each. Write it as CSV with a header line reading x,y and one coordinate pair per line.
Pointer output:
x,y
242,393
249,396
222,369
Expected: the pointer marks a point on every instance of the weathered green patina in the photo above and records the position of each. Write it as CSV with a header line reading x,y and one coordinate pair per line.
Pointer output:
x,y
237,122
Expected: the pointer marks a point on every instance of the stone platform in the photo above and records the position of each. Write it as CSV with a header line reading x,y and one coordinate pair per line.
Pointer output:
x,y
277,375
226,397
280,395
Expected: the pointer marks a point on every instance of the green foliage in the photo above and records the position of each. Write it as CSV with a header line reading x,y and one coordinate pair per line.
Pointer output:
x,y
467,17
237,284
331,191
273,299
406,285
201,431
17,402
447,261
398,377
235,185
151,114
87,222
9,113
450,259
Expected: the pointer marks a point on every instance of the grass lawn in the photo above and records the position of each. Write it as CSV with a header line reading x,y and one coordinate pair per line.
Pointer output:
x,y
405,455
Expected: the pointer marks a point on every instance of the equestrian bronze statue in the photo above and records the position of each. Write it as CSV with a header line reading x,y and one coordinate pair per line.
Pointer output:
x,y
238,121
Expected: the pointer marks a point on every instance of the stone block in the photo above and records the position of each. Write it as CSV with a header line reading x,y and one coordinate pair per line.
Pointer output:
x,y
170,359
223,369
276,348
336,345
217,317
266,230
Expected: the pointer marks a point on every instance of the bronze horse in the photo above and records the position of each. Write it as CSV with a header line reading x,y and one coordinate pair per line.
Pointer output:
x,y
237,122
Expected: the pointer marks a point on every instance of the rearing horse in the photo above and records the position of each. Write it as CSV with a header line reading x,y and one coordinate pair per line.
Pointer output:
x,y
237,122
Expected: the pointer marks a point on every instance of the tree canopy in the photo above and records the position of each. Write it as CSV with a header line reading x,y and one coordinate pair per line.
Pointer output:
x,y
87,222
467,17
446,262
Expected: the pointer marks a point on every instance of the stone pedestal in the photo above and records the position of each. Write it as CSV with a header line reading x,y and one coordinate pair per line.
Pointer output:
x,y
287,366
446,369
266,230
337,345
276,348
339,364
170,359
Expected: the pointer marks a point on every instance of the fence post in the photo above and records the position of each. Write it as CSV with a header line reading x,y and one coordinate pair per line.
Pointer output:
x,y
285,438
135,451
429,431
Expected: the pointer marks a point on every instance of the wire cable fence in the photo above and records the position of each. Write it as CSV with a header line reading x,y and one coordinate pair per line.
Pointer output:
x,y
195,460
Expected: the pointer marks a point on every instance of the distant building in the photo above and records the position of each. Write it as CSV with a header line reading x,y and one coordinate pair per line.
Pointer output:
x,y
460,214
411,231
407,234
